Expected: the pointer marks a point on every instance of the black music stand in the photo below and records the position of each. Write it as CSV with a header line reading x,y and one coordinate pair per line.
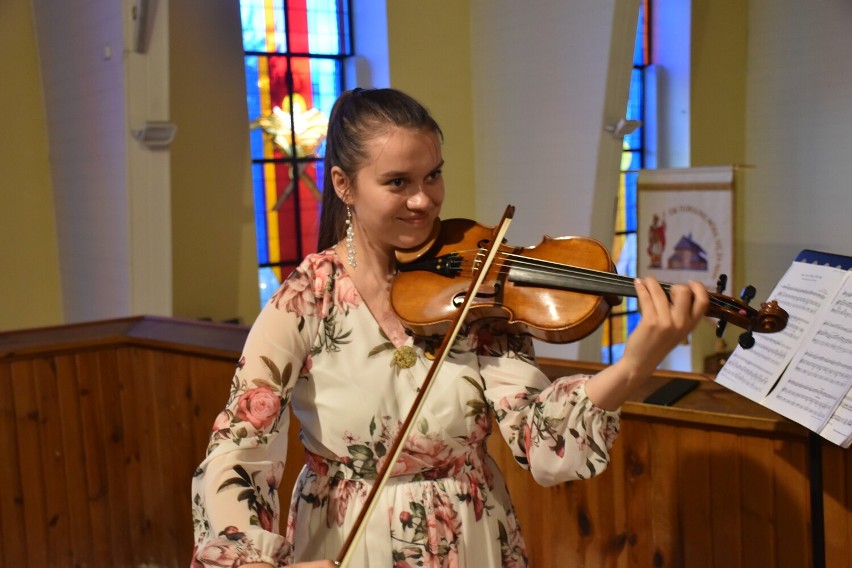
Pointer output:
x,y
815,441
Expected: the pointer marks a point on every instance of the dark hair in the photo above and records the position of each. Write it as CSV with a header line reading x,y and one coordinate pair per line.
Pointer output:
x,y
357,117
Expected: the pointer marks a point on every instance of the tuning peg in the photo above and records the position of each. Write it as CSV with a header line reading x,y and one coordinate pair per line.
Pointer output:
x,y
748,293
721,283
746,340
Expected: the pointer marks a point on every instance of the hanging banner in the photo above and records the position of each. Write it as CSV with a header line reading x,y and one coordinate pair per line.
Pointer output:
x,y
685,224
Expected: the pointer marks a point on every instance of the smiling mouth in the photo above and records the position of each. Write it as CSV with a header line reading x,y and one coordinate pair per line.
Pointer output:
x,y
420,219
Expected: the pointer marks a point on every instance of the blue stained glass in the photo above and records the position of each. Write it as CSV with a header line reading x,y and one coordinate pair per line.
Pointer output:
x,y
252,95
631,162
268,283
259,192
617,351
253,106
280,34
254,26
325,77
323,29
253,17
634,103
639,46
630,179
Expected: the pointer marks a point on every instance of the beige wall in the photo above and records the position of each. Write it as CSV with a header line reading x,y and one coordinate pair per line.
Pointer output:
x,y
717,122
29,286
429,57
797,134
213,249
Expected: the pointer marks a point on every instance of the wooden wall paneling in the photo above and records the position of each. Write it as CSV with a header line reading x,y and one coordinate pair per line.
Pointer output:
x,y
725,495
563,526
693,482
612,489
77,501
111,383
844,553
662,512
165,373
837,502
543,513
209,385
155,373
55,488
635,440
29,461
574,524
183,420
131,385
758,506
175,397
605,540
792,503
93,436
12,525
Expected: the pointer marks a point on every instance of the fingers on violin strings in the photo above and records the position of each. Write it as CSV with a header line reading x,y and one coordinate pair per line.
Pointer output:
x,y
689,303
642,295
701,300
659,299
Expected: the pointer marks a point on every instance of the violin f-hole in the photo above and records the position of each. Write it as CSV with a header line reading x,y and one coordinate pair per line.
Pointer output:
x,y
458,299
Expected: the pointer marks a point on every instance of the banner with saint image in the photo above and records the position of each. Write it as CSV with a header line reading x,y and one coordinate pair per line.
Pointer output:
x,y
685,224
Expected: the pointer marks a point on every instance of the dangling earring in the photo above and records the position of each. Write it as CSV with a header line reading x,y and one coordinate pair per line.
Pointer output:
x,y
350,239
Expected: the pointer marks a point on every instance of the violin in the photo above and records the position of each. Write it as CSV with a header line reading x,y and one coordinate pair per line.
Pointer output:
x,y
558,291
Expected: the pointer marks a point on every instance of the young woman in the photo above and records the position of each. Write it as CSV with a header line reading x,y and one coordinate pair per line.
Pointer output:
x,y
329,345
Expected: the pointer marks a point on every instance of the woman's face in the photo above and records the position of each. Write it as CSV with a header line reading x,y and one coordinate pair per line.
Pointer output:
x,y
397,194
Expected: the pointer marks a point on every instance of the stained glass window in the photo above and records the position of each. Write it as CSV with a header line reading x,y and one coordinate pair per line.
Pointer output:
x,y
294,60
624,317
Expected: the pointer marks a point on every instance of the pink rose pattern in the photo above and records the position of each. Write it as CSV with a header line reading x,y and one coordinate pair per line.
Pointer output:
x,y
427,531
555,412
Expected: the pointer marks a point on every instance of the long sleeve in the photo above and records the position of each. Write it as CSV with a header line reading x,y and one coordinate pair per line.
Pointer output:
x,y
552,428
235,489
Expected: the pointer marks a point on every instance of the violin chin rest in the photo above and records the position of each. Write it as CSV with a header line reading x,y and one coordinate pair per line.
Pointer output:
x,y
404,256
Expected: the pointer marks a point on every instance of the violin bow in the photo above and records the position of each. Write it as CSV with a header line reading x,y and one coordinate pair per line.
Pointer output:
x,y
344,556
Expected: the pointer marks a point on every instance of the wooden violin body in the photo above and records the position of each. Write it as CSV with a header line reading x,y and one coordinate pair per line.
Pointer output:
x,y
558,291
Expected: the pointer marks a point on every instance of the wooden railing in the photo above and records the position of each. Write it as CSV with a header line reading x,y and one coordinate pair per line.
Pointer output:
x,y
103,424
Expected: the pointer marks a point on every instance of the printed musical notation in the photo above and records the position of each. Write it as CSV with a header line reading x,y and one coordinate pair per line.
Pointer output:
x,y
805,371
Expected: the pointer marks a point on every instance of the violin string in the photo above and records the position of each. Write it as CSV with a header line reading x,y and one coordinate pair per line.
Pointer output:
x,y
591,275
625,283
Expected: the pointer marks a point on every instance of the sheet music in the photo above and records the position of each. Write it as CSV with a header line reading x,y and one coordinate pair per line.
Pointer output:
x,y
802,290
839,427
820,374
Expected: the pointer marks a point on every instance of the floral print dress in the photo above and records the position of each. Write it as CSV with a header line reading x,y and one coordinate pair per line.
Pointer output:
x,y
318,349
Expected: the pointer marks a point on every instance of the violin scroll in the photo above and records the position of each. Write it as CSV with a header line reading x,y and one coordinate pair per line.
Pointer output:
x,y
770,318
